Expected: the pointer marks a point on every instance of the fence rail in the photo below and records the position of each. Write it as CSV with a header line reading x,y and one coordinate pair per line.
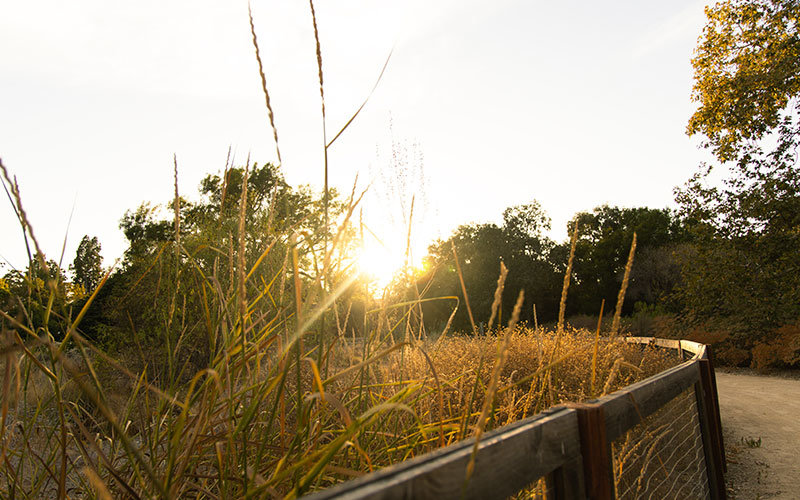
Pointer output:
x,y
658,438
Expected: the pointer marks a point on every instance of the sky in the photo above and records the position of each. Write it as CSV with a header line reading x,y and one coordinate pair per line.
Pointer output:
x,y
483,105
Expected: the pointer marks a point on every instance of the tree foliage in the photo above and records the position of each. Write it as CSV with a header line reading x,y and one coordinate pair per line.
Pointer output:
x,y
519,243
537,264
87,267
747,84
746,74
37,296
605,236
744,270
170,273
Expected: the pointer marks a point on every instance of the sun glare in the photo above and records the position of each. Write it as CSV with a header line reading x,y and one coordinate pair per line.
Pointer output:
x,y
380,264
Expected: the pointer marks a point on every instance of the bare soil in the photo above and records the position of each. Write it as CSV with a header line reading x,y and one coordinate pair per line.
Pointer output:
x,y
761,428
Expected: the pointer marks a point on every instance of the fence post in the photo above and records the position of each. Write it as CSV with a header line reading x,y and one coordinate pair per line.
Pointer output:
x,y
711,431
566,482
595,451
715,402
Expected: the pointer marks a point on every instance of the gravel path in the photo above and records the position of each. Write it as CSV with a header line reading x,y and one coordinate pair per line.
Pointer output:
x,y
761,425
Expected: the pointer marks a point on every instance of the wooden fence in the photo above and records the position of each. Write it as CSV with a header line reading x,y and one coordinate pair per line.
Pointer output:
x,y
584,450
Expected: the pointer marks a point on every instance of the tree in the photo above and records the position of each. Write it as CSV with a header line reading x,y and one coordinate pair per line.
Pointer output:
x,y
524,226
605,236
519,243
746,75
162,291
37,296
744,270
88,264
656,274
747,84
145,232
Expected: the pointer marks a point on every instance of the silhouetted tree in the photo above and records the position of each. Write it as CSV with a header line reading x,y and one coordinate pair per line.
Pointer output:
x,y
519,243
87,268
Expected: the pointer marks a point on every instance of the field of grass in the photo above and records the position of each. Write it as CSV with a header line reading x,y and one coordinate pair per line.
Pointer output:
x,y
271,423
286,397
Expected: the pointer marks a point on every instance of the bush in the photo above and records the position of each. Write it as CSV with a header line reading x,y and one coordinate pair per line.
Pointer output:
x,y
727,351
730,355
783,351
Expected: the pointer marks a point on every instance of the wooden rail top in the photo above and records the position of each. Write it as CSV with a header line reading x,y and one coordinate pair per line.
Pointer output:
x,y
699,350
509,458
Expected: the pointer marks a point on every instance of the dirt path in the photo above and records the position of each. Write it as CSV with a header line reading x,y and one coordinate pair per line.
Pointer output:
x,y
761,424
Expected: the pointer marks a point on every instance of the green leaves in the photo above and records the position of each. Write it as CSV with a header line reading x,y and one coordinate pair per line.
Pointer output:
x,y
602,251
743,271
746,73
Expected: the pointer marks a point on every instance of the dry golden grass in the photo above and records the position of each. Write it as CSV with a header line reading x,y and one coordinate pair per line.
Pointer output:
x,y
451,377
292,423
459,360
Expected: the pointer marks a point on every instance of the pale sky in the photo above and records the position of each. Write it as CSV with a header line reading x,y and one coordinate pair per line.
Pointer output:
x,y
493,103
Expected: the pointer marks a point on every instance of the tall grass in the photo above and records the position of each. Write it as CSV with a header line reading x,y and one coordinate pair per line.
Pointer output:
x,y
277,412
290,398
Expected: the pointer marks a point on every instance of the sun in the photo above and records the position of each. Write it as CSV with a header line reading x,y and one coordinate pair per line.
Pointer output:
x,y
379,264
385,254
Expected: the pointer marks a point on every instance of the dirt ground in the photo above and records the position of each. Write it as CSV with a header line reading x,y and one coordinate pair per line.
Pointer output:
x,y
761,429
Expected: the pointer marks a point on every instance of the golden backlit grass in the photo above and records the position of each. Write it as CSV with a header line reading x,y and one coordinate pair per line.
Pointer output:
x,y
291,428
444,384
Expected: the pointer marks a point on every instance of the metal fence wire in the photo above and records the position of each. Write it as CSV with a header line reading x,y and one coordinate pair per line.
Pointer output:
x,y
662,457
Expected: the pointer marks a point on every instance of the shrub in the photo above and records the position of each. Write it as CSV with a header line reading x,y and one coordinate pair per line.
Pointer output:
x,y
783,351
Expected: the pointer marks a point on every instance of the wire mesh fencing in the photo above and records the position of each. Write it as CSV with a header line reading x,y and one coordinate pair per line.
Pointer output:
x,y
662,457
537,490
